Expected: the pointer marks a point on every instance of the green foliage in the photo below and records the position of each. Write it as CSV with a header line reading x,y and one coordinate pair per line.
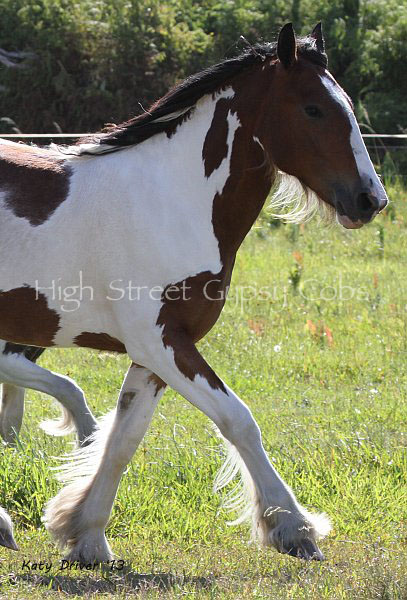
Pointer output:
x,y
95,61
103,61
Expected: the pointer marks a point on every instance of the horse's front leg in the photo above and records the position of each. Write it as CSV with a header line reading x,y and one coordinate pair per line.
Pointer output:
x,y
278,519
78,515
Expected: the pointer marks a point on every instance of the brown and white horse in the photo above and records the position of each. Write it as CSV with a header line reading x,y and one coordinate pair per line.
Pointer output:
x,y
126,242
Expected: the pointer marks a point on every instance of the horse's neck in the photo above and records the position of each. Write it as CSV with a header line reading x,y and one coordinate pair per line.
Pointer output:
x,y
207,182
215,160
238,203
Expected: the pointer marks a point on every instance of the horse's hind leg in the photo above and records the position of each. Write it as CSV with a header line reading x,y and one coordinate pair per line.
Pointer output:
x,y
12,403
18,371
78,515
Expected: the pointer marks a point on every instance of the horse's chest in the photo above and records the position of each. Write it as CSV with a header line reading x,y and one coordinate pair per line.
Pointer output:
x,y
195,304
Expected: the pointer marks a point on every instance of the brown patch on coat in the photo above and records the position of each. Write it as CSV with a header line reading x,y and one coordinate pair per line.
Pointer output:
x,y
126,399
215,148
35,182
158,382
152,378
186,320
99,341
238,205
186,356
25,317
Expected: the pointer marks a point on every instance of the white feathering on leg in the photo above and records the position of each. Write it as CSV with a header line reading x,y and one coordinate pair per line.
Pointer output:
x,y
271,525
63,514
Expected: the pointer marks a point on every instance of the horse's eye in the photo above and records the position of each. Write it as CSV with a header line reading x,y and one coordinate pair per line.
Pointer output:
x,y
313,112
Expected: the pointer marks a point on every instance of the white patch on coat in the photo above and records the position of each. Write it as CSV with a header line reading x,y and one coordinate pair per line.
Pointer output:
x,y
364,164
233,124
256,139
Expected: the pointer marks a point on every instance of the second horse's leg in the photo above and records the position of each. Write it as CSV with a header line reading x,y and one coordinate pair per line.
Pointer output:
x,y
11,412
18,371
12,401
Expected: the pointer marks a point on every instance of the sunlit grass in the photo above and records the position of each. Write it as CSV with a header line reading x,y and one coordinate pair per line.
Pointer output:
x,y
313,338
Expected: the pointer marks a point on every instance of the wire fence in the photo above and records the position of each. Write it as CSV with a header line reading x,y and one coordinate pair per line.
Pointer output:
x,y
79,135
383,136
387,151
377,149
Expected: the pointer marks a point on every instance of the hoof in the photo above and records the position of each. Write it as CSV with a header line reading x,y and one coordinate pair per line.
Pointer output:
x,y
7,540
307,550
9,435
87,441
87,435
92,548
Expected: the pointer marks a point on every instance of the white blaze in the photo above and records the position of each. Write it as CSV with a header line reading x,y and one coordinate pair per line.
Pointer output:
x,y
364,164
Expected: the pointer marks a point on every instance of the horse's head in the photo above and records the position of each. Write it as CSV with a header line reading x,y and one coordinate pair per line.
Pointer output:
x,y
314,133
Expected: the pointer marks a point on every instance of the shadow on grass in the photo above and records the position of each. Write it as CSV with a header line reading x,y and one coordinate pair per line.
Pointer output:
x,y
128,582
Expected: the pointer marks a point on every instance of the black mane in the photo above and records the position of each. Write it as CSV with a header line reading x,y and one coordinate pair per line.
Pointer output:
x,y
184,96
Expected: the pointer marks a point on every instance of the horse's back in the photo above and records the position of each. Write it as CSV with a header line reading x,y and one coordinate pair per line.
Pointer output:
x,y
33,181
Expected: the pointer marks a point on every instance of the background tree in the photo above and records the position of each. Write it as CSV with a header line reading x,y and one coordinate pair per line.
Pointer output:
x,y
98,60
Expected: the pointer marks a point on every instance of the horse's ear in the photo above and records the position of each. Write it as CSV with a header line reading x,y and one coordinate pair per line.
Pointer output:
x,y
287,46
318,36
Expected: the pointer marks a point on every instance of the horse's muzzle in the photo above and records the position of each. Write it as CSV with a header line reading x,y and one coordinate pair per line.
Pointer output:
x,y
365,207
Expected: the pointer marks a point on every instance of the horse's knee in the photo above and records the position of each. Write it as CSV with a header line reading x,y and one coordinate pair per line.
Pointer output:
x,y
239,427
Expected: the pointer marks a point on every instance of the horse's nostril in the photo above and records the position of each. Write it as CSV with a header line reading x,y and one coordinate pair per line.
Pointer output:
x,y
365,202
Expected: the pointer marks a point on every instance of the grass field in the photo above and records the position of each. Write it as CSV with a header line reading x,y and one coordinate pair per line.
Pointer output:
x,y
314,339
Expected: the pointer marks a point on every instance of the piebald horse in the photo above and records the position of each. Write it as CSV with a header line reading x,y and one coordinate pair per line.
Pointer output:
x,y
141,224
